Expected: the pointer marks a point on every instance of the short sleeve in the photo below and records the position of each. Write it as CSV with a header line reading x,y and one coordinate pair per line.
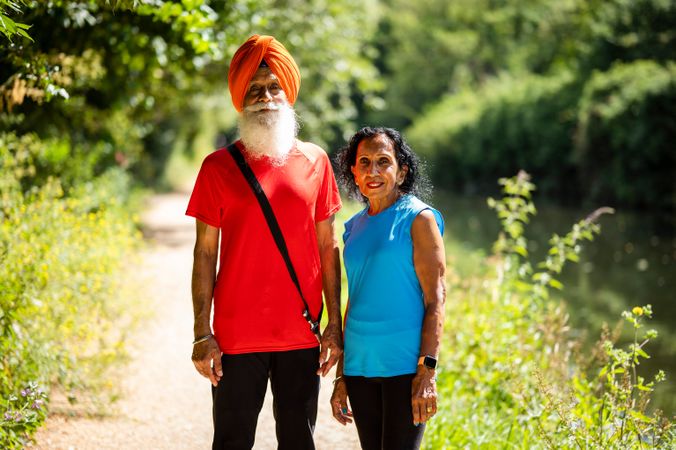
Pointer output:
x,y
439,219
416,206
204,204
328,197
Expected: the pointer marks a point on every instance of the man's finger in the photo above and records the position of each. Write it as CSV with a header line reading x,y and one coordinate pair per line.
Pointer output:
x,y
218,369
326,367
204,368
322,360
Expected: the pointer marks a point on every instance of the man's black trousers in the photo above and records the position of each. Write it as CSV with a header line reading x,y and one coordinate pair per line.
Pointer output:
x,y
239,396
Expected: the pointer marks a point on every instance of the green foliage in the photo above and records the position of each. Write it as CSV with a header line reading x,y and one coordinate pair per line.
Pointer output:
x,y
64,310
475,136
8,27
434,48
626,131
511,374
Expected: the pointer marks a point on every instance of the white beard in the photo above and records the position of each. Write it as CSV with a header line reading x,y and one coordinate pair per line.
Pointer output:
x,y
268,130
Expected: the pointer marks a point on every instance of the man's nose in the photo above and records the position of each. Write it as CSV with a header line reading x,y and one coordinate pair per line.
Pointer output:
x,y
265,95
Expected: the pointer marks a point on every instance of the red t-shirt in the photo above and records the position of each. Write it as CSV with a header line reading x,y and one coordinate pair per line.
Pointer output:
x,y
257,307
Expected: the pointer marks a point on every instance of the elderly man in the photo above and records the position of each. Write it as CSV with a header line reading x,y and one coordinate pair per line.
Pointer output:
x,y
259,331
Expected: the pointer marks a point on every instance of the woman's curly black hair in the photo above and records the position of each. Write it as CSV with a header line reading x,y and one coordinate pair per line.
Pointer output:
x,y
415,182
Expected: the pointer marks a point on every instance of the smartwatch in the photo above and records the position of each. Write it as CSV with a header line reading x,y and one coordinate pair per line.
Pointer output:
x,y
428,361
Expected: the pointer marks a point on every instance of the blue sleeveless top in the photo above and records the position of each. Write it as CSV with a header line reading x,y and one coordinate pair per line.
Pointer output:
x,y
383,323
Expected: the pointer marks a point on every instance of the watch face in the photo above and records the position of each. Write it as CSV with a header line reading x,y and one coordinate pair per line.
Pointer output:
x,y
430,362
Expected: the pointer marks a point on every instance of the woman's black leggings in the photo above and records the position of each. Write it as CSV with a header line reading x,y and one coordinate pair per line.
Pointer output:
x,y
382,412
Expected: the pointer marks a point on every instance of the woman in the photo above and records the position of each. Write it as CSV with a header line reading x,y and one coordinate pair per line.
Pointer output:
x,y
395,263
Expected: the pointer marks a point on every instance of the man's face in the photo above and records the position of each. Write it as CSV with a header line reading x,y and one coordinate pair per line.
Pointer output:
x,y
264,87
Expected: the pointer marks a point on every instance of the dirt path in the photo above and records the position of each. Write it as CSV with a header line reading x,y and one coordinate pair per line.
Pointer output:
x,y
166,404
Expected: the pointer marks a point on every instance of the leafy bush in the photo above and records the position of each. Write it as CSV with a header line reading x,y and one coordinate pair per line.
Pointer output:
x,y
63,306
626,131
512,375
475,136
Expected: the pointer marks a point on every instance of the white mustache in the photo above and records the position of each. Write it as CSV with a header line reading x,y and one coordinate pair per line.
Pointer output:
x,y
260,106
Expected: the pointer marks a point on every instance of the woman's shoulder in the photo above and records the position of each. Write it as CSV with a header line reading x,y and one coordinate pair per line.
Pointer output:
x,y
413,207
350,222
411,204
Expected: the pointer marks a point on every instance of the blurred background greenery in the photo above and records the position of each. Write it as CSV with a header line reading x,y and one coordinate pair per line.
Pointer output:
x,y
101,98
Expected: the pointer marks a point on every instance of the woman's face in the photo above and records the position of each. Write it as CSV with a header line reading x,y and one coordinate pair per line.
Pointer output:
x,y
376,171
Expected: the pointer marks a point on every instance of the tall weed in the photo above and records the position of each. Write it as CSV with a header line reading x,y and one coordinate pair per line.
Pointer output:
x,y
512,376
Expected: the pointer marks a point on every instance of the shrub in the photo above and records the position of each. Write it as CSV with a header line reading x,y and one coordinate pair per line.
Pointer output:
x,y
625,131
512,376
475,136
63,306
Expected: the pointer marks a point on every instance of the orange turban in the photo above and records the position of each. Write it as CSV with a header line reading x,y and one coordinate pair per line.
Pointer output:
x,y
248,58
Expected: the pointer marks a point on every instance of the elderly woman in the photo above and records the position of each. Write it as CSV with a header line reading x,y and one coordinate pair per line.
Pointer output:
x,y
395,263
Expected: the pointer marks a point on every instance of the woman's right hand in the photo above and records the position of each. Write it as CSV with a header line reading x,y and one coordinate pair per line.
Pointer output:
x,y
339,402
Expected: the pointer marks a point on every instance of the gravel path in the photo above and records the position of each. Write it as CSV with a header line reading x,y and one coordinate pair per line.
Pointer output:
x,y
166,404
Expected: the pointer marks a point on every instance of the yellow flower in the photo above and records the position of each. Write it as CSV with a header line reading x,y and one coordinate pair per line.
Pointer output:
x,y
638,311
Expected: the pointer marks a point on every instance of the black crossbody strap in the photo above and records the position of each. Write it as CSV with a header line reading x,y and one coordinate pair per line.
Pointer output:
x,y
274,229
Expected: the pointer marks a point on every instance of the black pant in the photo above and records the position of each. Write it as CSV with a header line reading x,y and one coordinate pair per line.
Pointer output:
x,y
239,396
382,412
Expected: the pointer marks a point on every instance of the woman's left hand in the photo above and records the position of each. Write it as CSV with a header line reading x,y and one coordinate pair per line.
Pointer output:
x,y
339,402
424,395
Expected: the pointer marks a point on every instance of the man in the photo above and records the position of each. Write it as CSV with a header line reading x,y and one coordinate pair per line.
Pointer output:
x,y
259,332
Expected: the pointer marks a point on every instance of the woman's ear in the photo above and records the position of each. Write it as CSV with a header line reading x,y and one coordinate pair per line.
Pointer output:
x,y
401,175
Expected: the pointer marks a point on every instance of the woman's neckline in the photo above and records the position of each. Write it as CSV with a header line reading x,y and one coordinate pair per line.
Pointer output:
x,y
389,208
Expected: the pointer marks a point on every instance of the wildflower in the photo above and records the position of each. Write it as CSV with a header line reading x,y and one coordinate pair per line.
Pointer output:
x,y
24,393
8,415
637,310
37,404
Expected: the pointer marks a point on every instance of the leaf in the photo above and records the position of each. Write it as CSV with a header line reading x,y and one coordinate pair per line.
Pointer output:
x,y
573,257
521,250
555,284
639,351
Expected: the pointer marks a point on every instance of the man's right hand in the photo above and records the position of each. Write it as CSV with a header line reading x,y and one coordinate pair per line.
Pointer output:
x,y
207,359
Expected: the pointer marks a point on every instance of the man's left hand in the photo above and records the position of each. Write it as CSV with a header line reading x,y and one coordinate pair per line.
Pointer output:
x,y
331,348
